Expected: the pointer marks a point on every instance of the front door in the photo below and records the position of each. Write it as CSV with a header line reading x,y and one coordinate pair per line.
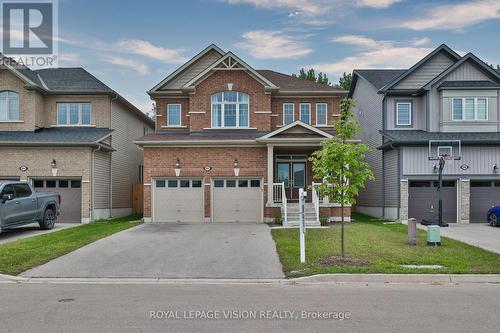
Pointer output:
x,y
293,175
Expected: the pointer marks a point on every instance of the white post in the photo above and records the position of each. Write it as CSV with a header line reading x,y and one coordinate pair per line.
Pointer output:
x,y
270,180
302,196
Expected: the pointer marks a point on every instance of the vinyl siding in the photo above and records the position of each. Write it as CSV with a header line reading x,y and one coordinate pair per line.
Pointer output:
x,y
426,72
102,167
193,70
127,157
418,113
369,112
480,161
391,178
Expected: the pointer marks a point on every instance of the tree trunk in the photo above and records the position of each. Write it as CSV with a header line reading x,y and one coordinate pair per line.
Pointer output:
x,y
342,232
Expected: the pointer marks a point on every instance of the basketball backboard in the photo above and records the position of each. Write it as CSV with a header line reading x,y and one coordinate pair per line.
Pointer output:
x,y
448,149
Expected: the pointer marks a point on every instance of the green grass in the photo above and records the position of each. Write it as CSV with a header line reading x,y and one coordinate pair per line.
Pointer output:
x,y
384,246
21,255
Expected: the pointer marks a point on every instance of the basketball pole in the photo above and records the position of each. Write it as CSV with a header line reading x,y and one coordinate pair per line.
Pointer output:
x,y
442,162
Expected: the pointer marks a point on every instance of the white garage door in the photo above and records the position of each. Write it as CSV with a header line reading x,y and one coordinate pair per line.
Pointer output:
x,y
237,200
178,200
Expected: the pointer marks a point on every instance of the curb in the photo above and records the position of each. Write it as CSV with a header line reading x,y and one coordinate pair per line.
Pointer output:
x,y
11,278
398,278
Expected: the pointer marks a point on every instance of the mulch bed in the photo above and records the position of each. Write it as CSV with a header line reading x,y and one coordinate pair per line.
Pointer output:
x,y
343,261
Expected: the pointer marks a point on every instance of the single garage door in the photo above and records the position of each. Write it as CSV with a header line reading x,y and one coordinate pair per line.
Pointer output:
x,y
237,200
178,200
71,197
483,195
423,200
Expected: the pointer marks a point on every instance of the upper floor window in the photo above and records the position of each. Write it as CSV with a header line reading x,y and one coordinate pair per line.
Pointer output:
x,y
321,117
288,113
470,109
74,114
9,106
403,113
230,109
305,113
174,114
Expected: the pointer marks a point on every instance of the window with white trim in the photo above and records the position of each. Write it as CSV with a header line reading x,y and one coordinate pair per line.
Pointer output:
x,y
288,113
230,109
9,106
321,114
74,114
469,109
174,114
305,113
403,113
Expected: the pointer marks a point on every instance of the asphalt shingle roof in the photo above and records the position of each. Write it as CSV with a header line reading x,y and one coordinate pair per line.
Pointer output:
x,y
55,135
69,79
177,135
289,83
380,77
417,136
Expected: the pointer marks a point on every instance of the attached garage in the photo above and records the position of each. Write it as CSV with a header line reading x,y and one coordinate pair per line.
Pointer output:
x,y
178,200
237,200
483,195
423,200
71,196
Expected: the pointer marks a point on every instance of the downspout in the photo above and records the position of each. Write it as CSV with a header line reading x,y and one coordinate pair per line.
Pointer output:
x,y
111,158
383,155
92,202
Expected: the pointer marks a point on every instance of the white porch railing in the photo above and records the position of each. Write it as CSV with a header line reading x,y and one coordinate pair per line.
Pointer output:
x,y
279,196
315,200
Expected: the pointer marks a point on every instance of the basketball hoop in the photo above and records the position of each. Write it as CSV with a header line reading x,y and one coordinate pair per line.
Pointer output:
x,y
447,157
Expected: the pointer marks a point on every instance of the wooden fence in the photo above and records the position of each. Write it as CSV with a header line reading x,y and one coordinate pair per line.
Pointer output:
x,y
137,195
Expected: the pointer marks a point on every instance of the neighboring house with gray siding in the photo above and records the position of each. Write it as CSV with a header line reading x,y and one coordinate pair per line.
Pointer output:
x,y
65,131
444,97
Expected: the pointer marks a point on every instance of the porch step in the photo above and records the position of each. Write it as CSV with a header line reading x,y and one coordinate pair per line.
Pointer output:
x,y
293,211
296,223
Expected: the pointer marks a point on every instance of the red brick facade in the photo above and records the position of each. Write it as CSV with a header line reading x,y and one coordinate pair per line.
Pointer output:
x,y
265,115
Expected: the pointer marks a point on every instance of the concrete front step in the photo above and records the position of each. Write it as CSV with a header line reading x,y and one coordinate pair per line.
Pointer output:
x,y
296,223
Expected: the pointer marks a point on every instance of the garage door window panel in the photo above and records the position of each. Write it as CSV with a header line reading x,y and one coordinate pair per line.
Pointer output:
x,y
196,184
76,184
255,183
172,183
184,183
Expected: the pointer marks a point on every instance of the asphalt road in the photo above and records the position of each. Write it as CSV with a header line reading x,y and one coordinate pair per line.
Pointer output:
x,y
128,308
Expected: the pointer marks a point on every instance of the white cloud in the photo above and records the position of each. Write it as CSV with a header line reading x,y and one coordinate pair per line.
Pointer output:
x,y
140,68
147,49
271,44
72,58
455,16
311,7
377,3
375,54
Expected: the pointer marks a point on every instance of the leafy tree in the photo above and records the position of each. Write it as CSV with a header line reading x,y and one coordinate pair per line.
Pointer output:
x,y
310,75
341,164
497,68
345,81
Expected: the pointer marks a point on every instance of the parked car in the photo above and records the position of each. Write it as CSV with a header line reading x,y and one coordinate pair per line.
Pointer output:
x,y
21,205
494,216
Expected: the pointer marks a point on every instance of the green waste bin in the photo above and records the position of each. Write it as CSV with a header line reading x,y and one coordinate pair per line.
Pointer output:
x,y
433,235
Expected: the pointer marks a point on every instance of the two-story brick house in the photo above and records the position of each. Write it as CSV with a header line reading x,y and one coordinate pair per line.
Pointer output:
x,y
450,100
65,131
232,142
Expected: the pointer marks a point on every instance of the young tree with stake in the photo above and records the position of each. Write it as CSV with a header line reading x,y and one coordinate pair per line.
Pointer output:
x,y
341,163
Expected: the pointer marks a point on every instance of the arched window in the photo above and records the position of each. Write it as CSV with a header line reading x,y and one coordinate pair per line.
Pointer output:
x,y
230,109
9,106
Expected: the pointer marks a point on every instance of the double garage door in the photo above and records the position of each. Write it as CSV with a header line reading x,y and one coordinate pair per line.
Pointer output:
x,y
71,197
423,200
183,200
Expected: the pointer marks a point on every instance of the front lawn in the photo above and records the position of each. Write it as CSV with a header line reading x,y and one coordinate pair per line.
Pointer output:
x,y
21,255
380,248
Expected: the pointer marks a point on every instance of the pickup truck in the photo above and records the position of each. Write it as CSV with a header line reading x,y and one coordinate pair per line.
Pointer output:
x,y
21,205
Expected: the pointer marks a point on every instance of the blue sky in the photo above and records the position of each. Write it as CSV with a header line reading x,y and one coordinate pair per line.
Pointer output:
x,y
132,45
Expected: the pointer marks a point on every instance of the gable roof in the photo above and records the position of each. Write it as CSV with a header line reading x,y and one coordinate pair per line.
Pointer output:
x,y
480,84
468,57
230,55
376,77
211,47
442,48
288,83
395,137
297,123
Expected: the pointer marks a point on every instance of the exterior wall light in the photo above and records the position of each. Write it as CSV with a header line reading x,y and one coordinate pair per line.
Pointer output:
x,y
236,169
435,168
495,168
177,167
53,164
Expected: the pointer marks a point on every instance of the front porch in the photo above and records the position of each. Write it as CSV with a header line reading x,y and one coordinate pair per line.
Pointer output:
x,y
289,169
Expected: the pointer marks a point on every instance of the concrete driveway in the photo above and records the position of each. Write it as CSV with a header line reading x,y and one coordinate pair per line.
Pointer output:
x,y
476,234
173,250
31,230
